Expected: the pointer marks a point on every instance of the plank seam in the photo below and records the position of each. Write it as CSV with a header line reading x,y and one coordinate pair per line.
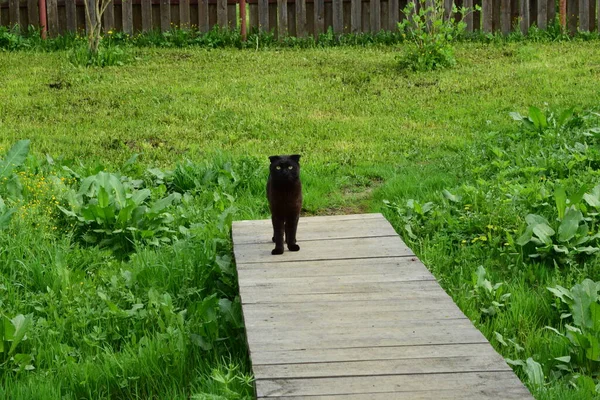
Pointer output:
x,y
323,259
319,239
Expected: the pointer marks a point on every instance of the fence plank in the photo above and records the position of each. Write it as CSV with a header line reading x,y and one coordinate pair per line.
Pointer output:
x,y
524,15
146,15
165,15
476,16
253,12
375,15
338,17
282,23
222,13
127,16
33,15
572,14
263,14
14,12
505,17
355,15
394,15
486,10
273,18
542,14
300,18
469,16
71,14
184,14
109,17
551,11
584,15
385,15
319,17
291,19
203,25
231,16
52,17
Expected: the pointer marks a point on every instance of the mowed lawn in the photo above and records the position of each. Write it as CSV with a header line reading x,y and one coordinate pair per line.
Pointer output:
x,y
366,131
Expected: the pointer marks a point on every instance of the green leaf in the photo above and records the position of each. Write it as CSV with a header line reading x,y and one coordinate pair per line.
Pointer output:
x,y
544,232
593,198
562,293
569,225
15,157
500,338
163,203
534,372
534,219
538,118
139,196
561,201
565,359
22,324
593,351
525,237
5,217
103,200
453,198
595,315
584,294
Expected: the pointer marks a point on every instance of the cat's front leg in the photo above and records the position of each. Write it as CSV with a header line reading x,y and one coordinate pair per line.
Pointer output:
x,y
278,230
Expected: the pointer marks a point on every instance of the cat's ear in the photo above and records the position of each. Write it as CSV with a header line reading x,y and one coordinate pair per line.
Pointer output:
x,y
296,158
274,158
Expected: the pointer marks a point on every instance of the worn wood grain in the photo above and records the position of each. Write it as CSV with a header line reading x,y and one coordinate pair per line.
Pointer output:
x,y
486,10
505,17
584,15
108,18
127,16
33,13
165,15
354,314
184,14
338,16
14,13
319,7
146,6
482,385
355,16
300,6
572,15
203,19
371,353
469,16
394,15
375,15
263,16
282,21
542,14
222,13
52,17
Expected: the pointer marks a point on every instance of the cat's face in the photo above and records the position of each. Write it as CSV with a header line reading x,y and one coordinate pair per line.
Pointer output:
x,y
285,168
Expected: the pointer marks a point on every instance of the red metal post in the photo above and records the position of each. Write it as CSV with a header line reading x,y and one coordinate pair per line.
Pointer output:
x,y
43,23
243,18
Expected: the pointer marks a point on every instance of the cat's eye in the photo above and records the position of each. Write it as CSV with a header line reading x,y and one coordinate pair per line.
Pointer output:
x,y
278,167
290,167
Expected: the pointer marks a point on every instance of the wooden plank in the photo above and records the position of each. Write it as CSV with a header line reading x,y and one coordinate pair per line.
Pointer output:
x,y
338,17
263,15
482,385
524,15
458,332
33,13
71,15
394,15
300,18
469,16
512,392
319,17
291,18
486,10
231,16
222,13
584,15
385,16
308,230
282,22
260,317
572,16
184,14
505,23
127,16
496,18
371,353
273,17
203,25
433,365
335,249
14,13
165,15
146,6
52,17
108,18
355,16
375,15
403,268
267,293
542,14
253,20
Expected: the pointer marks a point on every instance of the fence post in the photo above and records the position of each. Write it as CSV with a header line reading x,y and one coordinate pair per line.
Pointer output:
x,y
524,17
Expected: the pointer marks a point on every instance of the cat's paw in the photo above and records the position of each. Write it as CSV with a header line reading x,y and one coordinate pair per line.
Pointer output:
x,y
293,247
277,251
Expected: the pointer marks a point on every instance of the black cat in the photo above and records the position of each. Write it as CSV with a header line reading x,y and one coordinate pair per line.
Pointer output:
x,y
284,192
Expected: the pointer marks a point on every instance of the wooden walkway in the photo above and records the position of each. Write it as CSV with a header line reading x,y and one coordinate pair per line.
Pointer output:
x,y
355,315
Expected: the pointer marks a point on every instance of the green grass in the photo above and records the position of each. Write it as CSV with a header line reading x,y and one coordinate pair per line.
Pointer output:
x,y
366,132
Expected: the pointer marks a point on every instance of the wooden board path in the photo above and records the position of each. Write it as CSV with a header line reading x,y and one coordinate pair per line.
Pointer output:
x,y
355,315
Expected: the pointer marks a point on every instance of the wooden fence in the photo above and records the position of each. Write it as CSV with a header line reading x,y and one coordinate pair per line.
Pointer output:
x,y
291,17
